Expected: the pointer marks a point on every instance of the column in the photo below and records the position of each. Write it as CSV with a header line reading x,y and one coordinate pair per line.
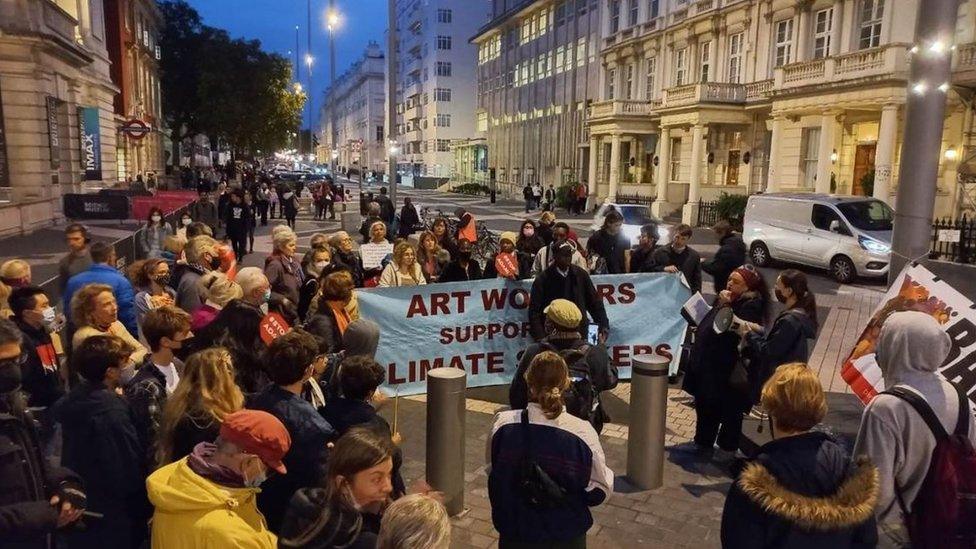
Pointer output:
x,y
847,26
803,31
825,148
614,167
591,173
835,27
689,213
772,179
885,154
660,206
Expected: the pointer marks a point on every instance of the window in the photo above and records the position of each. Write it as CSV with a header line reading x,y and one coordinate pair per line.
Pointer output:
x,y
808,161
580,52
870,33
705,56
653,9
650,66
632,13
735,58
611,83
442,121
675,158
560,59
784,43
442,94
443,68
629,81
443,145
822,216
379,133
614,16
561,14
444,16
822,27
443,42
680,66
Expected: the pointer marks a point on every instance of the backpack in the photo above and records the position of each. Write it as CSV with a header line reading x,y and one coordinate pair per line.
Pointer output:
x,y
944,511
581,398
537,489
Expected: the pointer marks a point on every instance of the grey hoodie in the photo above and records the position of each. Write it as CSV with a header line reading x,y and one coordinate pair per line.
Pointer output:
x,y
361,338
911,348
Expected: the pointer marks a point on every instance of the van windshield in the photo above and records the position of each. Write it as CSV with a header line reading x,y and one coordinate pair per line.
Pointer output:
x,y
636,215
868,215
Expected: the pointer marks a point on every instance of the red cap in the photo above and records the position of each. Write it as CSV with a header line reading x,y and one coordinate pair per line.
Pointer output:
x,y
258,433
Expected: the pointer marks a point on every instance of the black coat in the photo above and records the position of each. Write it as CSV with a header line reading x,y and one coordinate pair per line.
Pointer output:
x,y
786,341
352,263
102,445
321,522
192,429
730,256
345,413
642,261
454,272
26,485
409,219
713,357
41,380
323,326
576,287
601,373
612,248
687,261
802,493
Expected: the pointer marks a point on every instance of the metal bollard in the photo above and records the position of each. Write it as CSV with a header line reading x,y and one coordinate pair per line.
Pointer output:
x,y
350,220
648,416
445,435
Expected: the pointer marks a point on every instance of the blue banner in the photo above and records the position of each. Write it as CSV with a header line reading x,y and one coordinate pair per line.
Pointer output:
x,y
483,326
91,143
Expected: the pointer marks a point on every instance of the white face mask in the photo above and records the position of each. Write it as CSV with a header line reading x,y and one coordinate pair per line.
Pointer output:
x,y
156,219
321,264
187,221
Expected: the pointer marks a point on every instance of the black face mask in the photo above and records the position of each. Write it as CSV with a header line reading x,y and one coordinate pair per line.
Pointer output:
x,y
779,295
215,263
163,280
9,375
464,255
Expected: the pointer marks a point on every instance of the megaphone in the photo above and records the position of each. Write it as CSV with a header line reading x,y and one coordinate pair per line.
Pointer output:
x,y
726,320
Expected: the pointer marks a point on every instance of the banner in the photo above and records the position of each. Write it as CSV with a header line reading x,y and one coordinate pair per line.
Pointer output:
x,y
483,326
91,143
95,206
917,289
4,162
53,131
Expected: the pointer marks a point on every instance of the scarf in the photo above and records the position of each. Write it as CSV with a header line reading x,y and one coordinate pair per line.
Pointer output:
x,y
340,314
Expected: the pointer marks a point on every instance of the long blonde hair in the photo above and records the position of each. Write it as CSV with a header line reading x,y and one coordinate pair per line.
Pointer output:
x,y
207,386
547,378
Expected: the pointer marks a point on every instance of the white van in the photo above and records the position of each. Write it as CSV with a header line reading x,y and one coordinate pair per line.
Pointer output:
x,y
849,235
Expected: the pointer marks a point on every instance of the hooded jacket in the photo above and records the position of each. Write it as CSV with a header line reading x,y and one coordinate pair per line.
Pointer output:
x,y
911,347
786,341
731,255
193,512
801,492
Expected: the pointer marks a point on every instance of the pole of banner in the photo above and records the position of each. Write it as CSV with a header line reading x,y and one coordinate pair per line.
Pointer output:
x,y
445,435
648,412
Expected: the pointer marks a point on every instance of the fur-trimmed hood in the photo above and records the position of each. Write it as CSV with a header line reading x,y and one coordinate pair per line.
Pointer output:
x,y
851,503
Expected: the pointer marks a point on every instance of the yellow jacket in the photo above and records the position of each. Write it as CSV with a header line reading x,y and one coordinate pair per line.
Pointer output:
x,y
195,513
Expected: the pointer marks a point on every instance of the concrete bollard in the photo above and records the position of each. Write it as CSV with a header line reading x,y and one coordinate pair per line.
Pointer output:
x,y
648,417
350,220
445,435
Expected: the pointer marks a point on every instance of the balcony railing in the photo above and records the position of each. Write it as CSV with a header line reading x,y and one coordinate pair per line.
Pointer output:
x,y
890,60
59,21
708,92
620,108
965,57
757,91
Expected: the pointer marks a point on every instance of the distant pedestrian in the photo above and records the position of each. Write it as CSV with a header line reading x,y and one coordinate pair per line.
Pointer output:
x,y
536,195
731,254
387,207
581,195
204,210
550,198
467,227
77,259
236,223
289,207
153,234
262,198
409,218
528,197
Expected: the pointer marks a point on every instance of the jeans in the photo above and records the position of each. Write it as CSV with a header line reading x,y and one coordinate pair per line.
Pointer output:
x,y
263,212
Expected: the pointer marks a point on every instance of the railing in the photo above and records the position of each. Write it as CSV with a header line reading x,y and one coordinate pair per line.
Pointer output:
x,y
954,240
707,214
861,61
803,71
634,199
704,5
756,91
679,15
965,58
889,60
708,92
620,107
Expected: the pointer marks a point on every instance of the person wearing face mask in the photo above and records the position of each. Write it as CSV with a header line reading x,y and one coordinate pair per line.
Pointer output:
x,y
545,257
38,498
508,262
103,271
721,400
165,329
102,445
608,250
801,490
185,221
528,241
152,278
208,499
346,257
291,361
202,256
404,269
678,257
150,238
788,339
463,267
38,324
346,512
94,312
315,261
255,287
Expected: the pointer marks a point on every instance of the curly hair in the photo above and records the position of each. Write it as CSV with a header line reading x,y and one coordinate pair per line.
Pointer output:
x,y
140,273
83,303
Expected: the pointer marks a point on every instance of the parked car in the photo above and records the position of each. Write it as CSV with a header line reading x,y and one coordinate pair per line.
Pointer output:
x,y
848,235
635,216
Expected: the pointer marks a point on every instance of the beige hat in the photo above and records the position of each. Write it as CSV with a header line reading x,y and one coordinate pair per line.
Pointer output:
x,y
563,313
510,236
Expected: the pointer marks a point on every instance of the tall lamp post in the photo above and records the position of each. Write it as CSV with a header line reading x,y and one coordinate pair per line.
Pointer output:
x,y
332,20
391,70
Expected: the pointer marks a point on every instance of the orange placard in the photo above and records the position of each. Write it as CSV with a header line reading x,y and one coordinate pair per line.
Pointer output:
x,y
506,265
272,327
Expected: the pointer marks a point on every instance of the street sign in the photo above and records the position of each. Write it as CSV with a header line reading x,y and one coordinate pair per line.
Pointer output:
x,y
136,129
949,235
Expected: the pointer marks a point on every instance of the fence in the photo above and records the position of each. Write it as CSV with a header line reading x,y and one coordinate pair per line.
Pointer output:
x,y
707,214
954,240
634,199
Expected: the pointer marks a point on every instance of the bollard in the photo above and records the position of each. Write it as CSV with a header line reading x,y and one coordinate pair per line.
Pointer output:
x,y
648,415
445,435
349,220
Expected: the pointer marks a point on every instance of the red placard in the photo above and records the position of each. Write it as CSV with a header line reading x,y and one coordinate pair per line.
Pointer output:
x,y
507,265
272,327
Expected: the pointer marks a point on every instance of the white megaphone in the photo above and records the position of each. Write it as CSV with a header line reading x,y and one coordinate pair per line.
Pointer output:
x,y
726,320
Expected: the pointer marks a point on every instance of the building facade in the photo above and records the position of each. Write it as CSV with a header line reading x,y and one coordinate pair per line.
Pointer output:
x,y
132,31
705,97
436,81
538,69
352,116
57,129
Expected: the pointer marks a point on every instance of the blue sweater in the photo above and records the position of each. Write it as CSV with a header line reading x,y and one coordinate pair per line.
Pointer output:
x,y
100,273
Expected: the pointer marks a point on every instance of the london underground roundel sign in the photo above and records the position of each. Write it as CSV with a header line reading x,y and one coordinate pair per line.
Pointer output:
x,y
136,129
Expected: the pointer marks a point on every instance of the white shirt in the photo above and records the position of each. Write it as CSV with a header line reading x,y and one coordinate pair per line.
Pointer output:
x,y
172,376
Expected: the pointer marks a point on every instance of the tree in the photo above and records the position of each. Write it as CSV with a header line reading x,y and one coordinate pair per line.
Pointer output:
x,y
228,89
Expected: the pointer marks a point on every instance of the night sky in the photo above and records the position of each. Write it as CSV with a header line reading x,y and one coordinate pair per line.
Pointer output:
x,y
273,23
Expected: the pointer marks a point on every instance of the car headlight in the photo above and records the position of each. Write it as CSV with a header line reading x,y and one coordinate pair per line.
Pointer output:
x,y
873,246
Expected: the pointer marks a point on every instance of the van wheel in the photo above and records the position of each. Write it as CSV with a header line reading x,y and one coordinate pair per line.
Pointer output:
x,y
760,255
842,269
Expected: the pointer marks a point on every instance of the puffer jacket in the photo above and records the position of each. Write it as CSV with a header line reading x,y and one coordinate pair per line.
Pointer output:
x,y
801,492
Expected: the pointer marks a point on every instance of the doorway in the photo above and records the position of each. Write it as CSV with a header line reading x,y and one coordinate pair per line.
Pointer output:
x,y
732,168
863,164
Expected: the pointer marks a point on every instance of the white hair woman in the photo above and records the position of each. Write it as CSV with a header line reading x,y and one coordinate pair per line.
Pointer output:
x,y
218,291
283,269
417,521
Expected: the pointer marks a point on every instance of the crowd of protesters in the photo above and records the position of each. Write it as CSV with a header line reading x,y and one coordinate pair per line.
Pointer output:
x,y
164,418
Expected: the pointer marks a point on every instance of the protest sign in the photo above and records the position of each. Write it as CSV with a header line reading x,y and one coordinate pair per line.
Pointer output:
x,y
272,327
374,254
483,326
917,289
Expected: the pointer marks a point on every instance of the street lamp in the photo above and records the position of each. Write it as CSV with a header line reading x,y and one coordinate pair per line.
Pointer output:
x,y
298,87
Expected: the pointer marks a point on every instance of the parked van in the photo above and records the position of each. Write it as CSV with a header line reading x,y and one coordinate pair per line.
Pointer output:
x,y
848,235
